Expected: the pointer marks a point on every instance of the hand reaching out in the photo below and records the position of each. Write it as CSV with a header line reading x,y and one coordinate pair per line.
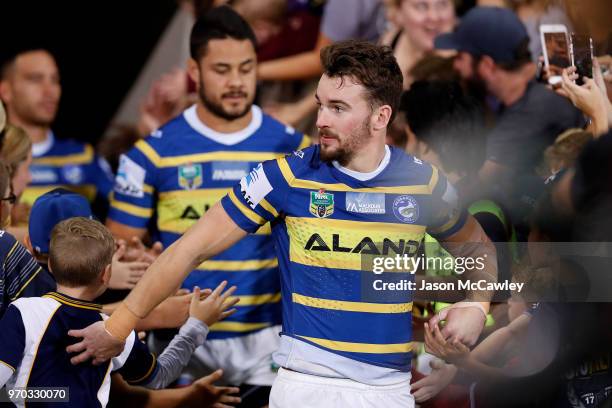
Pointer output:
x,y
214,307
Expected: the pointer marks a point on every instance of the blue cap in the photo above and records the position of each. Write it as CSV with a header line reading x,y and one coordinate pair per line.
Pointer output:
x,y
49,210
493,31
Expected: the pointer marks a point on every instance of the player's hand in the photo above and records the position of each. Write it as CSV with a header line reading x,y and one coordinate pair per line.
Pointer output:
x,y
214,307
96,343
452,351
203,393
441,375
125,275
462,323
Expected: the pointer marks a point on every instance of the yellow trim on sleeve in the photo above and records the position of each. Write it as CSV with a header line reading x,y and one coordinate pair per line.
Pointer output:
x,y
434,179
247,212
351,306
268,207
132,209
361,347
8,365
153,364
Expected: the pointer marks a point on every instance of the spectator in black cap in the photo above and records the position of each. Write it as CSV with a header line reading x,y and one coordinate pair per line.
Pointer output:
x,y
493,50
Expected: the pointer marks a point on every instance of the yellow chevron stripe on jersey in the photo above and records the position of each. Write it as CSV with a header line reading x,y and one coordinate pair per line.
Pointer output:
x,y
310,236
253,300
132,209
175,161
361,347
329,187
85,157
306,141
247,212
237,326
268,207
351,306
237,266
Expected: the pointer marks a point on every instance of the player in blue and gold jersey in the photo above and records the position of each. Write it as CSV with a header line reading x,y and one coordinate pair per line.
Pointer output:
x,y
170,179
30,87
344,343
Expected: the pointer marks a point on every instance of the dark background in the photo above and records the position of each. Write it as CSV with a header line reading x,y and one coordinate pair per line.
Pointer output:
x,y
100,47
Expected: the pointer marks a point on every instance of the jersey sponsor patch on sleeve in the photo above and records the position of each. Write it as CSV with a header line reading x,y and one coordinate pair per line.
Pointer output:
x,y
130,178
255,186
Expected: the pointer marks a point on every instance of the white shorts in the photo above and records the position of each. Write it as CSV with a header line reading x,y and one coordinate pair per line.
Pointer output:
x,y
244,360
296,390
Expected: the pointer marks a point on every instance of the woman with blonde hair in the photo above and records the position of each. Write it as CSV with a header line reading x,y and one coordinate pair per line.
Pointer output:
x,y
16,155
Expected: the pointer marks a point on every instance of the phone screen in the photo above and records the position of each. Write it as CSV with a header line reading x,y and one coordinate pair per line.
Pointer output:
x,y
557,50
582,47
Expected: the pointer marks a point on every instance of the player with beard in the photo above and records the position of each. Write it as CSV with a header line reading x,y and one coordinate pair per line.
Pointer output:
x,y
343,344
174,176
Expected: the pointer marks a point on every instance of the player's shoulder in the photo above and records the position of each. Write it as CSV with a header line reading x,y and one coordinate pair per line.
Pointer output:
x,y
7,242
301,160
405,164
163,136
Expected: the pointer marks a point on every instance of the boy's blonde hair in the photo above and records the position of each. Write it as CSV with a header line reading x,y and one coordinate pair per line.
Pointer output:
x,y
80,249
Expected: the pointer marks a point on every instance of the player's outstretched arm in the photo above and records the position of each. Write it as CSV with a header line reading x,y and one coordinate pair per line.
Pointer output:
x,y
213,233
465,320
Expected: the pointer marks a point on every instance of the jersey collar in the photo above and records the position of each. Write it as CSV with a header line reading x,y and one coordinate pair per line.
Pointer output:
x,y
41,148
228,139
73,302
366,176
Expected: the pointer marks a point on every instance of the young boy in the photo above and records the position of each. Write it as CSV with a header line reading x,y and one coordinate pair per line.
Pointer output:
x,y
33,331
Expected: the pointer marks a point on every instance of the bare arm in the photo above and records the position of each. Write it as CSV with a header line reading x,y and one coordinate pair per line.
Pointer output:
x,y
213,233
123,231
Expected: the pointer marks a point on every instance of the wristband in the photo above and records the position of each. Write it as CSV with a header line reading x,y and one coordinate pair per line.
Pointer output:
x,y
122,322
477,305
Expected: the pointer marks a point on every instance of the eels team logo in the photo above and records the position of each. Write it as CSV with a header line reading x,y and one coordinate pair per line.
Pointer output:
x,y
190,176
321,203
406,209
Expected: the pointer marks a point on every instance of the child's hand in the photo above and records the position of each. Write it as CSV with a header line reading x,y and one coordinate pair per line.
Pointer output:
x,y
452,351
213,307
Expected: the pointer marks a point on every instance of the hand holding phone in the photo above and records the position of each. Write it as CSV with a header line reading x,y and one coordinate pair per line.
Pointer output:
x,y
555,47
581,51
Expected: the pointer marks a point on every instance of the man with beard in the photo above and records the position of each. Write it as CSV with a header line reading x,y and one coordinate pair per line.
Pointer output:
x,y
174,176
493,55
30,87
344,344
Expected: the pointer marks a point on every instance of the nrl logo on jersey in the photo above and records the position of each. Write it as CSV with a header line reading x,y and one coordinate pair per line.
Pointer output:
x,y
321,203
190,176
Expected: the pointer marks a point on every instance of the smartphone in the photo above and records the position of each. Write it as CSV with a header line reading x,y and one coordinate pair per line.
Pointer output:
x,y
581,52
555,47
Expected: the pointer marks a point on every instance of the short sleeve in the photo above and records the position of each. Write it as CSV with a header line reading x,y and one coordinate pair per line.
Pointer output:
x,y
140,365
447,214
12,338
258,198
132,200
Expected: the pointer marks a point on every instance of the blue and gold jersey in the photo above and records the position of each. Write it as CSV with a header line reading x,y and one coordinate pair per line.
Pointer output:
x,y
324,221
33,341
171,178
68,164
